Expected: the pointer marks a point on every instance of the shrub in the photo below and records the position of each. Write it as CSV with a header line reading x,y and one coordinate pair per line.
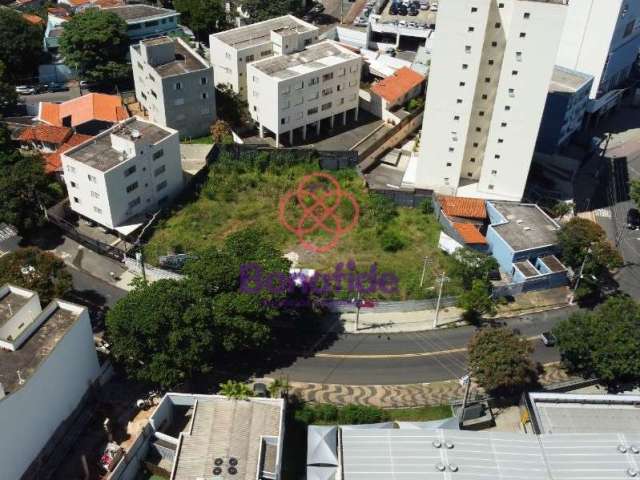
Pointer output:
x,y
361,414
326,413
427,206
391,241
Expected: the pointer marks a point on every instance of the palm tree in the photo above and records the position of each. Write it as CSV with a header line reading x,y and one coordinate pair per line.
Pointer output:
x,y
237,390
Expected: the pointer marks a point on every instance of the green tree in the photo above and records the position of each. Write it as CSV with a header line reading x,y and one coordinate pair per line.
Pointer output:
x,y
203,17
20,46
8,96
634,191
221,132
237,390
469,265
163,333
260,10
500,362
230,106
477,301
36,270
95,43
24,191
603,342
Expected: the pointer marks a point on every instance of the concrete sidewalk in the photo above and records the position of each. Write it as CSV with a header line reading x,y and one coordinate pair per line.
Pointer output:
x,y
418,321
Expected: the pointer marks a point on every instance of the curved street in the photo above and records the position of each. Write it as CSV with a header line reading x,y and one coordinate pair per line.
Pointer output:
x,y
408,358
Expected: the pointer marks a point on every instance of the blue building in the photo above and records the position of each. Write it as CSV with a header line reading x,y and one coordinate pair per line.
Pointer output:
x,y
147,21
523,239
564,110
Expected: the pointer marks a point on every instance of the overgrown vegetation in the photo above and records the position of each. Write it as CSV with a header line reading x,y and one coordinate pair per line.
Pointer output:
x,y
245,192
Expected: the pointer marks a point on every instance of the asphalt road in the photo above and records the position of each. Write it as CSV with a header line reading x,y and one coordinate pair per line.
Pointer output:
x,y
94,290
381,359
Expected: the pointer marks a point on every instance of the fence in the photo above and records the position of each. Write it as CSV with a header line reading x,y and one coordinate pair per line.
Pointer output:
x,y
387,307
327,159
58,215
152,273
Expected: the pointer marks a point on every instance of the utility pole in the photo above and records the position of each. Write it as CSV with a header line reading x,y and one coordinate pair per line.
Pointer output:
x,y
442,280
579,276
358,305
140,252
424,269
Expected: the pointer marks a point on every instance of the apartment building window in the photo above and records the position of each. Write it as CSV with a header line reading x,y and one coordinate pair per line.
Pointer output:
x,y
327,91
514,72
249,58
487,79
264,53
448,164
519,56
313,96
512,92
227,56
338,87
135,202
494,172
527,15
501,140
501,5
97,210
523,34
298,101
95,194
76,200
474,9
472,159
203,80
178,101
152,78
71,169
326,106
469,174
478,129
286,105
481,113
342,72
342,101
298,116
490,62
465,66
286,91
313,81
467,48
462,84
459,100
451,149
92,179
132,187
161,186
158,154
503,124
496,156
255,79
490,187
484,96
205,95
470,29
494,44
178,86
283,121
312,111
456,117
129,171
143,95
139,65
74,184
159,171
475,144
507,108
327,76
153,93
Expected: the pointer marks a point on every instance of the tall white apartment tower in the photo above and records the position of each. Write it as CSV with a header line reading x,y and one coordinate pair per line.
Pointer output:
x,y
490,72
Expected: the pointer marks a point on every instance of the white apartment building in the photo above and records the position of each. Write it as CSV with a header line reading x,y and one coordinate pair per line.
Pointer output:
x,y
232,50
174,85
490,72
290,93
123,173
47,363
601,38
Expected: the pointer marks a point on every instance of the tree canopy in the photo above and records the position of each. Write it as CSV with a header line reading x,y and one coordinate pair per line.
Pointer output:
x,y
203,17
169,331
24,191
8,96
230,106
500,361
95,43
260,10
477,301
20,46
604,342
634,192
469,265
37,270
221,132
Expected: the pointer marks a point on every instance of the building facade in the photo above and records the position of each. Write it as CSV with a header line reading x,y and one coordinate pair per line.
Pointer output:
x,y
292,93
47,363
174,85
129,170
564,110
146,21
236,48
487,88
601,38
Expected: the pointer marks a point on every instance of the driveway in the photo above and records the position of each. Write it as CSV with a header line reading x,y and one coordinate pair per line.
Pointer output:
x,y
73,92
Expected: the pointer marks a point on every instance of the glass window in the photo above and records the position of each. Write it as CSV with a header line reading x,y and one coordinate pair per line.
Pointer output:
x,y
161,186
159,171
92,179
132,187
134,202
95,194
158,154
130,171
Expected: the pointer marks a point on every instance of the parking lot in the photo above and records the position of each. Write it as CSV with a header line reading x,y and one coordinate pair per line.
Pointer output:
x,y
424,18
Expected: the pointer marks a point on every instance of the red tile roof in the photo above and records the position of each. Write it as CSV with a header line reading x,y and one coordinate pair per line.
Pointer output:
x,y
58,12
93,106
45,133
33,19
470,234
53,161
462,207
397,85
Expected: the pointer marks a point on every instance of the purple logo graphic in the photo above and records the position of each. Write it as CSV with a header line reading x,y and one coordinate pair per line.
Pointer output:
x,y
253,279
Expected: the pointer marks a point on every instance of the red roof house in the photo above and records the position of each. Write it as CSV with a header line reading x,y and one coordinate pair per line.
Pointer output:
x,y
396,89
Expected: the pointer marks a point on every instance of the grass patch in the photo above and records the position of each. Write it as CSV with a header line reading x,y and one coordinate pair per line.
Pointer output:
x,y
206,140
420,414
245,192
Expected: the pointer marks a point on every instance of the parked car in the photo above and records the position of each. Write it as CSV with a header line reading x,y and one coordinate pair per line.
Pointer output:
x,y
548,338
393,9
403,10
25,90
633,219
413,12
56,87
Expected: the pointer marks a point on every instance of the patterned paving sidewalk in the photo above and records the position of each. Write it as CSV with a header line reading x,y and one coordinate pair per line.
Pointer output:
x,y
399,396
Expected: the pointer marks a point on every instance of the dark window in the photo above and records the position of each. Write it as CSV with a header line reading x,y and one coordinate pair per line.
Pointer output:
x,y
470,29
129,171
158,154
474,9
481,114
161,185
132,187
527,15
490,62
501,140
503,124
498,25
522,34
159,171
494,44
484,96
478,129
475,144
487,80
472,159
462,84
465,66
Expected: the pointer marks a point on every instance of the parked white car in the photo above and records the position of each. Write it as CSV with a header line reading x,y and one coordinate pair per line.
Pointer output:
x,y
25,90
